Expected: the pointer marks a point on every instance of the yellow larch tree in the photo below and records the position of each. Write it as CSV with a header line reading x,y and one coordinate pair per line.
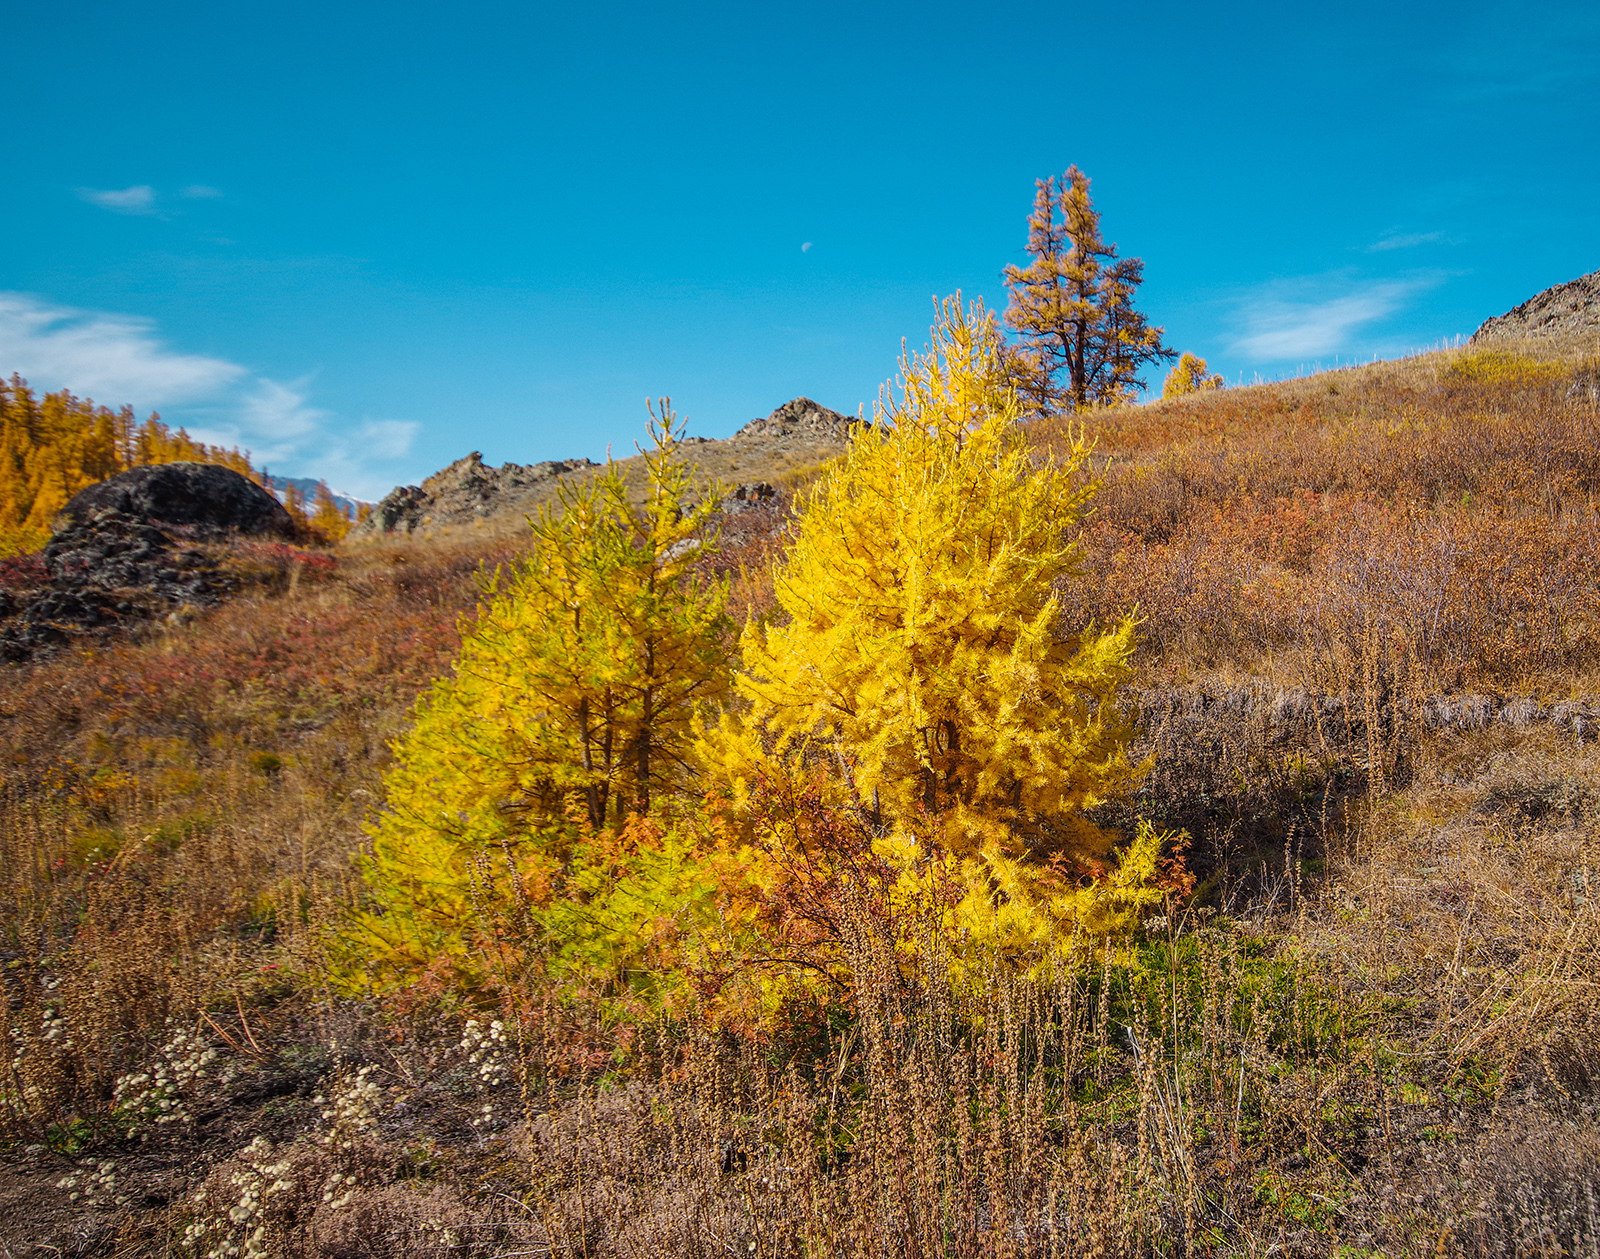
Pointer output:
x,y
921,652
1189,375
326,517
54,446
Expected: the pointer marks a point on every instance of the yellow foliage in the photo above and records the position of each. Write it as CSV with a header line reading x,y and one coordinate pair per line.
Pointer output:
x,y
1189,375
1501,367
52,447
922,653
326,517
569,708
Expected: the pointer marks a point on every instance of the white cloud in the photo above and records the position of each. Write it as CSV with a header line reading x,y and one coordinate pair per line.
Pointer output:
x,y
1407,240
201,192
277,413
1278,328
139,199
118,359
389,439
114,358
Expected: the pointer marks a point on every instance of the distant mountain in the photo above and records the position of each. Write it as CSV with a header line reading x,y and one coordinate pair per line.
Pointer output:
x,y
307,485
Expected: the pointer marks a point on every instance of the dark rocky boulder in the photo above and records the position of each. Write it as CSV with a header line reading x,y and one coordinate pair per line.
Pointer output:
x,y
133,549
110,570
111,550
204,496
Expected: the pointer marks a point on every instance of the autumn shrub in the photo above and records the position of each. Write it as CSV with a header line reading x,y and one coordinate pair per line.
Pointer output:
x,y
150,869
829,915
1501,367
1103,1107
22,572
1291,533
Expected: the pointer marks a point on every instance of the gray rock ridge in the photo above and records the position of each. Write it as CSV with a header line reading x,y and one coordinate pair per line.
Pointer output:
x,y
470,490
1562,310
466,490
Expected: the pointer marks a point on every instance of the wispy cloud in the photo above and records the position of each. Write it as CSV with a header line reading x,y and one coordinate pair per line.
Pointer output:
x,y
1403,240
119,359
277,423
389,439
1278,325
139,199
278,412
200,192
116,358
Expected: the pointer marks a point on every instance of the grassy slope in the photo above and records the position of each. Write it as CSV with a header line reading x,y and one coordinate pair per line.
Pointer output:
x,y
180,813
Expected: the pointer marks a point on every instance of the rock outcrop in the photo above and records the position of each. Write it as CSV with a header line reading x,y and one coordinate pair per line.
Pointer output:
x,y
132,549
1570,309
799,433
468,489
800,417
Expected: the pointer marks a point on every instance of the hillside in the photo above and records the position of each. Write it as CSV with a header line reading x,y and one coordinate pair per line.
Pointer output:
x,y
1369,678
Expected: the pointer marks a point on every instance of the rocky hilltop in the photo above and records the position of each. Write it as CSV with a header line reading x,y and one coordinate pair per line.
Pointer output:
x,y
468,489
1570,309
799,418
470,493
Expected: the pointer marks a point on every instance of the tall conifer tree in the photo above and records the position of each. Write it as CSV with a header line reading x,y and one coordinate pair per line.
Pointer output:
x,y
1081,340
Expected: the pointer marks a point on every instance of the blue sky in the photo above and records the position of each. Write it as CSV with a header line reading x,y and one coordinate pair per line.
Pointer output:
x,y
362,239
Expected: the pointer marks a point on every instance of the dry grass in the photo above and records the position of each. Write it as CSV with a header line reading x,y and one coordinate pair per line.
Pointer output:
x,y
1371,1033
1277,531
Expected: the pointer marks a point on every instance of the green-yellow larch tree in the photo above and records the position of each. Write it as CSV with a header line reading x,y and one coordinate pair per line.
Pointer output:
x,y
569,709
1189,375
